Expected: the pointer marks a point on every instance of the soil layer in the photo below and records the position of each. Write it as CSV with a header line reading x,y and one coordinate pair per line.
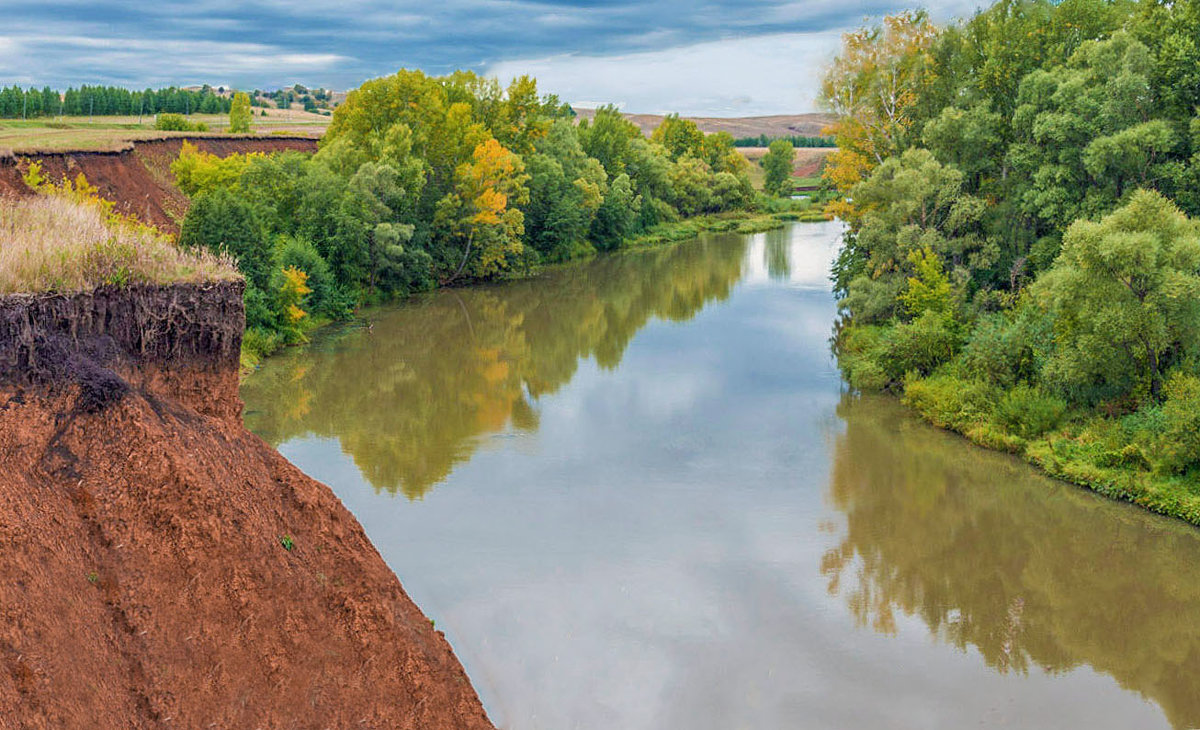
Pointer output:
x,y
160,566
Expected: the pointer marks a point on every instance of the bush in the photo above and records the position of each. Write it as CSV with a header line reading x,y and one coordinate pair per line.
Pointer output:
x,y
260,343
920,346
857,348
1179,444
950,402
178,123
326,299
1028,412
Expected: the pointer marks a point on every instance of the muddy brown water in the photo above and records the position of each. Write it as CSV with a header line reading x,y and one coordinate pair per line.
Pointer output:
x,y
635,494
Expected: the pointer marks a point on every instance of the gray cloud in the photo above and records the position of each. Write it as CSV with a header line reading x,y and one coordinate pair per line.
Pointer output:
x,y
267,43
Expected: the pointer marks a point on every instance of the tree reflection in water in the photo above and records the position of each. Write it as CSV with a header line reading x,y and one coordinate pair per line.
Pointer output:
x,y
990,555
412,396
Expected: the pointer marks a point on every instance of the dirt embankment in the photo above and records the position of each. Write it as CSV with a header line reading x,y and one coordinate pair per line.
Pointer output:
x,y
139,178
162,567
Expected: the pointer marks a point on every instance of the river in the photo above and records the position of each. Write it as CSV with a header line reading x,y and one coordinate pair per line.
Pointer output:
x,y
635,494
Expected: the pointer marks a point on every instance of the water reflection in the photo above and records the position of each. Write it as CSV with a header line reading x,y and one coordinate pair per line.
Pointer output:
x,y
1029,572
411,397
697,529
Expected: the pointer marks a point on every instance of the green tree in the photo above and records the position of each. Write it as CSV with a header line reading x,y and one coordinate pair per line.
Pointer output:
x,y
566,188
221,221
239,113
680,137
777,164
1125,295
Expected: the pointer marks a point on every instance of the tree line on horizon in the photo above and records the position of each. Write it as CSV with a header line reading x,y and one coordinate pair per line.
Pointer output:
x,y
1019,260
797,140
18,103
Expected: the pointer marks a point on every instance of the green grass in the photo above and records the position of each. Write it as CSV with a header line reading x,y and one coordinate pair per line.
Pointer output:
x,y
70,134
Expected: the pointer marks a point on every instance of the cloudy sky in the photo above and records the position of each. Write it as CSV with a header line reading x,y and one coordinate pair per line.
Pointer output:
x,y
717,57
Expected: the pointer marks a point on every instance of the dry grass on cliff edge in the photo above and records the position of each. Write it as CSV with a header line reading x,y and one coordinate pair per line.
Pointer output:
x,y
50,243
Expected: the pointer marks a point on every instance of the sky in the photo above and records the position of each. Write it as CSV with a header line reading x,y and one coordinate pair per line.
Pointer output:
x,y
703,57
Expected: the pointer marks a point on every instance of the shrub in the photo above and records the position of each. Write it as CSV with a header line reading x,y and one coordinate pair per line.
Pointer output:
x,y
326,299
920,346
857,348
1009,348
178,123
260,342
1028,412
950,402
1179,445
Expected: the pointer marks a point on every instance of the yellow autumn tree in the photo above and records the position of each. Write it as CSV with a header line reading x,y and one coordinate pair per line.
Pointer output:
x,y
197,171
872,87
481,215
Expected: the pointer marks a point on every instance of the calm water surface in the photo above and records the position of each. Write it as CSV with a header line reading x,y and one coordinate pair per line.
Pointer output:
x,y
634,494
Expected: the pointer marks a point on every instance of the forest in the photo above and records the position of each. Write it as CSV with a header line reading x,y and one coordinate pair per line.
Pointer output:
x,y
425,181
18,103
1022,254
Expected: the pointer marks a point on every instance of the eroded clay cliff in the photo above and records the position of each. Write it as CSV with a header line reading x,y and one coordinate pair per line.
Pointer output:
x,y
162,567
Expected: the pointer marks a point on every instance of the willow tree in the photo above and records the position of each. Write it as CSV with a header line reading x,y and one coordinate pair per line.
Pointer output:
x,y
1125,296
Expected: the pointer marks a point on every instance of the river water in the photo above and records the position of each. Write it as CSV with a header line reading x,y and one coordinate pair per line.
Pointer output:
x,y
635,494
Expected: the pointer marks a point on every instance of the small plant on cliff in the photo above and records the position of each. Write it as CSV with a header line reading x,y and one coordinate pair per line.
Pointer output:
x,y
287,542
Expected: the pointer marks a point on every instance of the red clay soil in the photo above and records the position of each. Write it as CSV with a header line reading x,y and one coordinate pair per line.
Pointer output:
x,y
139,179
144,582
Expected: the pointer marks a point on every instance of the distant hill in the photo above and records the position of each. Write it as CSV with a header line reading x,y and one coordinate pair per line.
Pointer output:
x,y
779,125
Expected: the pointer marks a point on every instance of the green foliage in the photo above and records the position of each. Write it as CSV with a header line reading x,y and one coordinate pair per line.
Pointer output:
x,y
929,290
679,136
239,113
287,542
1125,297
777,164
919,346
1028,412
422,180
222,222
178,123
1045,223
17,103
1177,443
797,140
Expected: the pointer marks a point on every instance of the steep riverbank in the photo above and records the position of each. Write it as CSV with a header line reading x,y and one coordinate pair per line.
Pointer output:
x,y
138,178
162,565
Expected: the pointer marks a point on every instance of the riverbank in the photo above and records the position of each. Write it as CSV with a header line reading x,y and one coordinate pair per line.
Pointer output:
x,y
744,222
163,565
1093,452
1123,456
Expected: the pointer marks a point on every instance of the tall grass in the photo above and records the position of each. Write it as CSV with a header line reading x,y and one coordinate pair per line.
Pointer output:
x,y
52,243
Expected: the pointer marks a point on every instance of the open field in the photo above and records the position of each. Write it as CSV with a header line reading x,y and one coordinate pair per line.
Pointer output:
x,y
114,133
780,125
806,166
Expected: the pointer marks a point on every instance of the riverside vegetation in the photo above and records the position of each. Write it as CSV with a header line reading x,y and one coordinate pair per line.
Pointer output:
x,y
1019,261
427,181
